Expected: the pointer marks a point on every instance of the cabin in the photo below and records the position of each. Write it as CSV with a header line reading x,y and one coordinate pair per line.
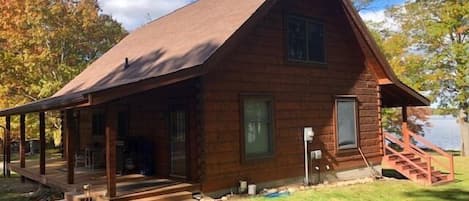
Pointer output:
x,y
222,91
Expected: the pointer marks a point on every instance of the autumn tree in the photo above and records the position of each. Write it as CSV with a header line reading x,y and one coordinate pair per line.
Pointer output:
x,y
436,52
45,43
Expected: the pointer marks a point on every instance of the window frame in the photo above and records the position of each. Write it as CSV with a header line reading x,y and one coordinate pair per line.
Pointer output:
x,y
271,153
348,98
287,45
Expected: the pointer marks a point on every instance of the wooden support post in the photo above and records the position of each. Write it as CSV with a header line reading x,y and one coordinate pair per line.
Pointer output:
x,y
69,128
111,134
405,131
42,142
8,144
22,143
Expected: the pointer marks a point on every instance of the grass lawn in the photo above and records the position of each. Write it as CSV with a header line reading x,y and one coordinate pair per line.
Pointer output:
x,y
401,190
11,189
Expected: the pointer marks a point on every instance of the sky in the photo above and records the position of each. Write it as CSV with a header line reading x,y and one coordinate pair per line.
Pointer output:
x,y
135,13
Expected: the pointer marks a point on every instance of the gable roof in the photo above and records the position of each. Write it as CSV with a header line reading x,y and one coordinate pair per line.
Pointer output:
x,y
180,42
185,38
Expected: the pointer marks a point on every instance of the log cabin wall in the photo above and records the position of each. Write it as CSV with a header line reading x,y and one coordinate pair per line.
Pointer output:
x,y
304,95
148,120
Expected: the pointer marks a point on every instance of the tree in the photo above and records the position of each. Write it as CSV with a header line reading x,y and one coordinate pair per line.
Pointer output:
x,y
45,43
437,33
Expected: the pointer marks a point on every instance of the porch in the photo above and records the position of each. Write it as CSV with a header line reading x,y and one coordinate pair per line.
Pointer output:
x,y
138,146
128,187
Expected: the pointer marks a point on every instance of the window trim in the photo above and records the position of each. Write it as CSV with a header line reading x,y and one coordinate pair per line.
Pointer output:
x,y
349,98
271,154
324,39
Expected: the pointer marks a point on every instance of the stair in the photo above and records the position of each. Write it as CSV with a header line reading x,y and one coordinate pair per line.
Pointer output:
x,y
417,170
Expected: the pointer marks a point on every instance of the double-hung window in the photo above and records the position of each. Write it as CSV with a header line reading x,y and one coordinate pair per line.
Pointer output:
x,y
257,127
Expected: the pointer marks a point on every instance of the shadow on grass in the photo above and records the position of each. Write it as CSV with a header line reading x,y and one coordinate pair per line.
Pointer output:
x,y
440,195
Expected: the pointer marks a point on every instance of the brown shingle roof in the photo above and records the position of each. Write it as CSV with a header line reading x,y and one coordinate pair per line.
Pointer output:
x,y
180,40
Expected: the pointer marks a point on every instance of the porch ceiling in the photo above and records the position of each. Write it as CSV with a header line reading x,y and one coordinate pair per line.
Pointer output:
x,y
399,96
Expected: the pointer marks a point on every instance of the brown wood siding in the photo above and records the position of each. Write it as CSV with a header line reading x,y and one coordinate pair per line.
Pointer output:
x,y
304,96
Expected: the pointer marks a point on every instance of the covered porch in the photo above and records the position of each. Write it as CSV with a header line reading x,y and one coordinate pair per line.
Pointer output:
x,y
124,148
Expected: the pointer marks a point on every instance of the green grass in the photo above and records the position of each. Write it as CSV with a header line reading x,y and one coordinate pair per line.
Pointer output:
x,y
401,190
11,189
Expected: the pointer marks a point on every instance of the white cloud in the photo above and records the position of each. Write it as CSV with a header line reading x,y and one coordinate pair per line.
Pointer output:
x,y
379,16
135,13
374,16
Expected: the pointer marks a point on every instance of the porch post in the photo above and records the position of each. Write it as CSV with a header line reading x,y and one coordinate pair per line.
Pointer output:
x,y
405,131
69,128
7,145
42,143
111,132
22,143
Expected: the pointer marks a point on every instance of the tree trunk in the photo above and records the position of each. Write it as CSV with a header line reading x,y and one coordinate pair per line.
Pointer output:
x,y
464,135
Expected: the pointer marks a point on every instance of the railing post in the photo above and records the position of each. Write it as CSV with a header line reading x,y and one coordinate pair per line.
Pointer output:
x,y
405,136
405,131
429,169
451,166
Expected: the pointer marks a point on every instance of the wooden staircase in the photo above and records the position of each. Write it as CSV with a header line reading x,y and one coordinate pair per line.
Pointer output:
x,y
416,164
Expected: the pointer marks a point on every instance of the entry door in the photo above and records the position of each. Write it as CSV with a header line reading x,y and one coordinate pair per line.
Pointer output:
x,y
178,123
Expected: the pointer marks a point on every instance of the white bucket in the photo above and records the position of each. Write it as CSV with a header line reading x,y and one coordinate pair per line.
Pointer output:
x,y
252,189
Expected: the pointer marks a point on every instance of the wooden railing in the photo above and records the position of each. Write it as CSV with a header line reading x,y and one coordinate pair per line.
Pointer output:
x,y
409,147
396,141
447,166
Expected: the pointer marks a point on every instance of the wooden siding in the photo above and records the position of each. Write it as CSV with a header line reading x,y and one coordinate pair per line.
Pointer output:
x,y
303,96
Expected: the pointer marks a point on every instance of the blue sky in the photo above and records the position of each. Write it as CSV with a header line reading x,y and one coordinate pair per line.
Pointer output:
x,y
135,13
382,4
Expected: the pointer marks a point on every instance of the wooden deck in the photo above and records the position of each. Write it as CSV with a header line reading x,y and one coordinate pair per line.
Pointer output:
x,y
129,187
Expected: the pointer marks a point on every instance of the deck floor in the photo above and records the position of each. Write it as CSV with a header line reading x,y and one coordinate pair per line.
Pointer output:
x,y
56,177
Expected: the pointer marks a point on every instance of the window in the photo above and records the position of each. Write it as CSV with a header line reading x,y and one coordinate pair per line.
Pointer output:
x,y
305,40
346,124
98,126
258,127
123,124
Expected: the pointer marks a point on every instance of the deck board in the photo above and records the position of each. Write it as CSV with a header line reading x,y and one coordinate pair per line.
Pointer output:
x,y
127,185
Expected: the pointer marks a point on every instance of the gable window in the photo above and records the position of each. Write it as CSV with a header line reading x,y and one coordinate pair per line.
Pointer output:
x,y
346,123
258,127
305,40
98,126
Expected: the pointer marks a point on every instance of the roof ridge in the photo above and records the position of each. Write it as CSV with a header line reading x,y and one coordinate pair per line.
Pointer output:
x,y
193,2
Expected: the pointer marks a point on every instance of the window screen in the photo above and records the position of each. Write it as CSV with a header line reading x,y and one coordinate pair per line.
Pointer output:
x,y
346,123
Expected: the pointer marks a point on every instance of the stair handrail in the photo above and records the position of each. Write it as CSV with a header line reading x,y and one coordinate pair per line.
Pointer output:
x,y
393,139
437,149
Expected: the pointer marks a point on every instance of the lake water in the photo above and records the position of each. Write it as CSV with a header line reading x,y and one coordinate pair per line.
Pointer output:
x,y
444,132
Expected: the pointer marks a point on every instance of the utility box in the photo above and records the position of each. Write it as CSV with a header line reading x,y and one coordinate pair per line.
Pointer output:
x,y
316,155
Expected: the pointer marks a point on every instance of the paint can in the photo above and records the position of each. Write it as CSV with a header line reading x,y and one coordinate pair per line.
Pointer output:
x,y
252,189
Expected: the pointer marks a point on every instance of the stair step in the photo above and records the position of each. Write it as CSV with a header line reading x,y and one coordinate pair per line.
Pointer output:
x,y
409,155
178,196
